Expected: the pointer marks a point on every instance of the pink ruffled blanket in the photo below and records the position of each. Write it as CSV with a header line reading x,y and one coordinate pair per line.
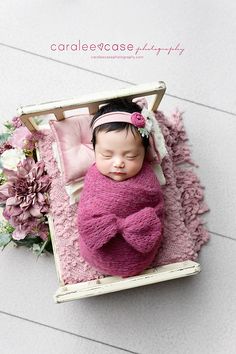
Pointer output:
x,y
120,223
184,230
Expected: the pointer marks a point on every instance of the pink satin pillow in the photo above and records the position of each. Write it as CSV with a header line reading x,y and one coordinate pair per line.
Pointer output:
x,y
73,137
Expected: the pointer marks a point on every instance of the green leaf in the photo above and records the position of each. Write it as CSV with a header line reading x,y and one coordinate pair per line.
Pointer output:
x,y
4,240
4,137
35,244
38,120
9,228
9,126
41,250
27,242
36,248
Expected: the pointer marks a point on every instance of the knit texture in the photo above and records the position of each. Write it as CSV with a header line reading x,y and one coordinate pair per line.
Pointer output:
x,y
184,230
120,223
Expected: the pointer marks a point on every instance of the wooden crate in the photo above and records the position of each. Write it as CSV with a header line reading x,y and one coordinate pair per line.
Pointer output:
x,y
109,283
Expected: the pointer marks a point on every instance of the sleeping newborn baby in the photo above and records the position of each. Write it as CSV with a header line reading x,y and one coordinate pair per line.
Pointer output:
x,y
121,208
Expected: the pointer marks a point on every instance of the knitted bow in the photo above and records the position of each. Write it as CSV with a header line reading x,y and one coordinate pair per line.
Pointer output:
x,y
142,230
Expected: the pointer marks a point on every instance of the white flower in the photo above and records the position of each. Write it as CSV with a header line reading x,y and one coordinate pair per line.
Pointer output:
x,y
148,124
146,130
154,127
10,158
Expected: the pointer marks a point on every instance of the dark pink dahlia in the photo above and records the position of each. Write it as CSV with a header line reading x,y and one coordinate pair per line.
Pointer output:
x,y
24,192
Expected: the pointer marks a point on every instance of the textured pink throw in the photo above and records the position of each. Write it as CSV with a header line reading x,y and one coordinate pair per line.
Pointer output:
x,y
120,223
184,230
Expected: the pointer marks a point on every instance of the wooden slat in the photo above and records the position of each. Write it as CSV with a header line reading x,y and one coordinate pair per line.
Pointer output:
x,y
111,284
91,101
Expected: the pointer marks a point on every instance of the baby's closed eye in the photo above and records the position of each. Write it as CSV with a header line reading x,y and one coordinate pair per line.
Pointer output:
x,y
106,156
131,157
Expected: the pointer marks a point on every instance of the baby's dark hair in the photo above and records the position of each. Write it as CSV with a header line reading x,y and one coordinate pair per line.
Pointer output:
x,y
118,104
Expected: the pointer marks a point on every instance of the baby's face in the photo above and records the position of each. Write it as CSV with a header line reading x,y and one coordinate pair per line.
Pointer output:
x,y
119,154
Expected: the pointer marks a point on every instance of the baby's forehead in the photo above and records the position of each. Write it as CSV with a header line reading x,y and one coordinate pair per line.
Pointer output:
x,y
119,139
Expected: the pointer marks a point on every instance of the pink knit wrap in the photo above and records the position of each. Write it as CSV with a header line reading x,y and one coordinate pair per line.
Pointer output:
x,y
120,223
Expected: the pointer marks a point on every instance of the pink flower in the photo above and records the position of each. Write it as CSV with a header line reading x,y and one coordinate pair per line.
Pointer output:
x,y
24,192
5,146
16,122
138,120
33,227
20,138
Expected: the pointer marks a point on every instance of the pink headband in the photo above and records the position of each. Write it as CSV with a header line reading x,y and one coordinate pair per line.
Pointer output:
x,y
136,119
147,125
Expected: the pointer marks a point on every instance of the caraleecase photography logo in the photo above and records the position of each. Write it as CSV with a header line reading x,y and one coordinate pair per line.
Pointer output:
x,y
105,50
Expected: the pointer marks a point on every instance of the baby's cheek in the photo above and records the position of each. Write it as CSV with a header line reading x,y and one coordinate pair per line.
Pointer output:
x,y
138,161
134,167
102,165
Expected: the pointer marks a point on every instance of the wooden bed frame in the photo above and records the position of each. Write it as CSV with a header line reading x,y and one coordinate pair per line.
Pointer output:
x,y
108,284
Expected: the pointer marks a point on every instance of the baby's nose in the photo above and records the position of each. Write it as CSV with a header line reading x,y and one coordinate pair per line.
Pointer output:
x,y
118,163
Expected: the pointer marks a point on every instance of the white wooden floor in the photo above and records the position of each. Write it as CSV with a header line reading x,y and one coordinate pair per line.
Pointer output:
x,y
190,315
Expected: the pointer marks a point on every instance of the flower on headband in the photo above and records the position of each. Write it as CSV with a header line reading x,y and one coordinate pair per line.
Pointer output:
x,y
143,122
138,120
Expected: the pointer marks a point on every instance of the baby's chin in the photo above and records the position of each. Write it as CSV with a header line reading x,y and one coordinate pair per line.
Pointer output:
x,y
116,177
